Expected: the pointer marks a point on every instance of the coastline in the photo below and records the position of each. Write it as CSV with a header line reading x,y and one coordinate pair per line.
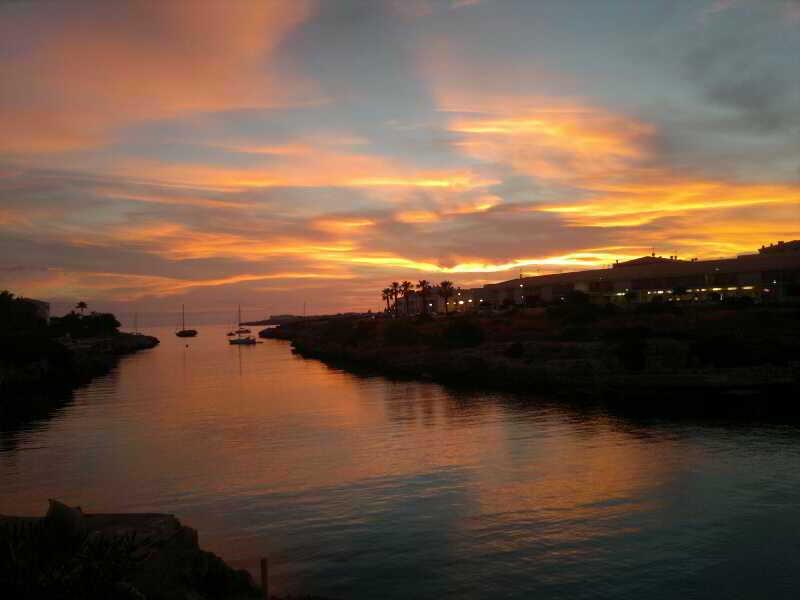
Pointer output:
x,y
589,370
128,555
37,371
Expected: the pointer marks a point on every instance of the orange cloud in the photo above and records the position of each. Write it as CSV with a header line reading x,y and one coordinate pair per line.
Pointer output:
x,y
417,216
94,67
131,286
551,141
349,226
179,242
633,204
305,166
449,208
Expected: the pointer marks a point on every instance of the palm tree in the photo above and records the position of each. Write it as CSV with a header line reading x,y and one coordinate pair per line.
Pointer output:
x,y
386,294
424,287
446,291
395,287
81,306
405,290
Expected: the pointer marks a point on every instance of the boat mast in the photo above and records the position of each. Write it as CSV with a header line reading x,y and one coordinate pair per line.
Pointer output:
x,y
183,317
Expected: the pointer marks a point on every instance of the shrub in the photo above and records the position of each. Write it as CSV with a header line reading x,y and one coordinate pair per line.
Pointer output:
x,y
400,332
38,561
463,333
577,312
631,352
84,326
18,314
515,350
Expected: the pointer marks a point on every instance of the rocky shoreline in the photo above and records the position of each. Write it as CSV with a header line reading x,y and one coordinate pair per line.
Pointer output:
x,y
69,554
578,370
37,369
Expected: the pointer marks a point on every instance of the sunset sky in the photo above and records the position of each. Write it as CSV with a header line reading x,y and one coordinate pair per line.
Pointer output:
x,y
271,153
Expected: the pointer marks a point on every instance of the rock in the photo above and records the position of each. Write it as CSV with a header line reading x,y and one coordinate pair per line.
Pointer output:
x,y
162,558
66,520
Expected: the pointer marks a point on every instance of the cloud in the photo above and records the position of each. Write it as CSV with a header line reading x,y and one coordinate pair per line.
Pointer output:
x,y
548,140
641,203
84,70
748,71
153,153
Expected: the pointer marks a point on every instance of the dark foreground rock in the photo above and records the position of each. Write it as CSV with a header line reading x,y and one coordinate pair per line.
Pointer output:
x,y
68,554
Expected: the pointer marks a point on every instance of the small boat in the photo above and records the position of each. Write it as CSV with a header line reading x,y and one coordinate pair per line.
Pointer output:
x,y
248,340
183,332
231,333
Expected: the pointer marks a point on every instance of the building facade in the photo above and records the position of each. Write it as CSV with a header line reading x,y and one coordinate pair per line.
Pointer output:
x,y
770,275
773,274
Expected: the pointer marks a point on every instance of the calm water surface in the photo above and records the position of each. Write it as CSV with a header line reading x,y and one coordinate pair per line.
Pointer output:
x,y
361,487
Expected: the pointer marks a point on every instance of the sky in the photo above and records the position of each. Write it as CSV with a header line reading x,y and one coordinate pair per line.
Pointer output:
x,y
274,153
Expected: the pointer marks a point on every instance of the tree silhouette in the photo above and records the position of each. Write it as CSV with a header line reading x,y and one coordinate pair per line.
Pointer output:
x,y
395,287
424,287
446,291
386,294
405,289
81,306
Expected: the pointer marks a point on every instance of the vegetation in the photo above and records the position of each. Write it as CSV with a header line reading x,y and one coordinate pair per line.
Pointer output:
x,y
84,326
446,290
19,314
55,355
424,288
405,289
38,561
592,339
386,295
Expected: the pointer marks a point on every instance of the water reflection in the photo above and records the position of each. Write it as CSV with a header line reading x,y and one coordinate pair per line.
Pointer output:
x,y
361,487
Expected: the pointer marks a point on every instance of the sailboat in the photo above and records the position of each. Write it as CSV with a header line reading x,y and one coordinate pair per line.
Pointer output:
x,y
239,328
183,332
248,340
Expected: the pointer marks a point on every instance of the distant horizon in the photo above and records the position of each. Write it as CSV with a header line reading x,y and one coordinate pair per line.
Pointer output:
x,y
217,316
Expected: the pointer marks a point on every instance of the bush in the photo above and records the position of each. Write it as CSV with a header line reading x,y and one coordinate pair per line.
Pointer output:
x,y
400,332
23,349
463,333
84,326
340,331
657,307
738,302
38,561
516,350
18,314
629,345
631,352
577,312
